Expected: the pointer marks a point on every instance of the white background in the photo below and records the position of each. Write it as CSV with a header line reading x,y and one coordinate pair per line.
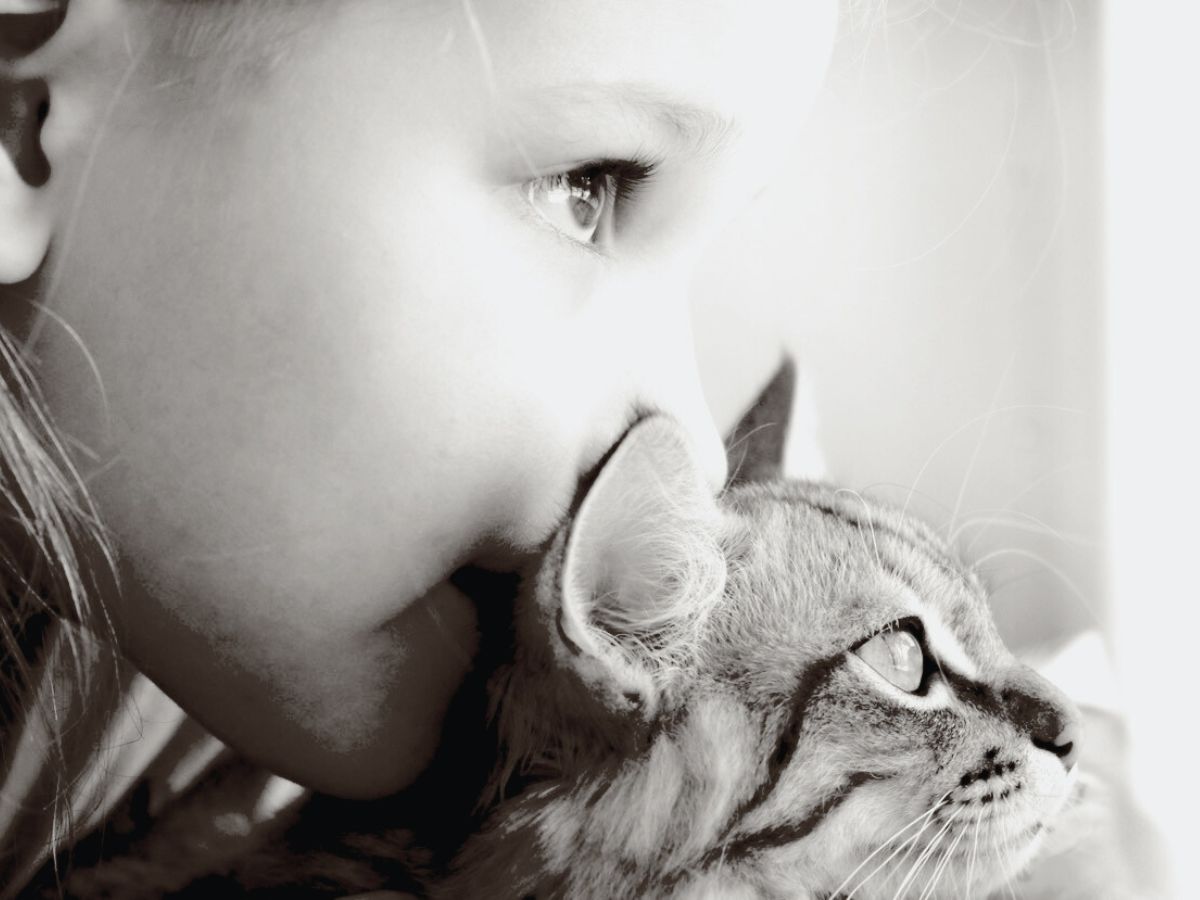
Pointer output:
x,y
1153,198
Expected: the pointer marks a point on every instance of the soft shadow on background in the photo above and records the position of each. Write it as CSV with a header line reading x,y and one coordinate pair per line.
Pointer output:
x,y
932,259
972,256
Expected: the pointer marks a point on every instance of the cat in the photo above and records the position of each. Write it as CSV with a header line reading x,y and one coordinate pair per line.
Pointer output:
x,y
750,698
783,691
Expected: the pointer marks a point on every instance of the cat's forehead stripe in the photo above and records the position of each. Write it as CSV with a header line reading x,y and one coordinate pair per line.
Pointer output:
x,y
902,530
879,526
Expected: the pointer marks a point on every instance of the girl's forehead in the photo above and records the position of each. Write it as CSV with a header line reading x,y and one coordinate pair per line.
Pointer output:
x,y
740,63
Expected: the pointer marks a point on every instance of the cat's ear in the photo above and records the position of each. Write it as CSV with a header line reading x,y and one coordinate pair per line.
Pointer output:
x,y
640,569
756,445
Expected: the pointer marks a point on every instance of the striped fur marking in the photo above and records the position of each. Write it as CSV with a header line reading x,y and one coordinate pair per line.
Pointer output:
x,y
786,832
788,738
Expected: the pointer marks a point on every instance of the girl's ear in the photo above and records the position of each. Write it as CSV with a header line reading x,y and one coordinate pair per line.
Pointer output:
x,y
43,44
640,570
24,207
25,218
756,445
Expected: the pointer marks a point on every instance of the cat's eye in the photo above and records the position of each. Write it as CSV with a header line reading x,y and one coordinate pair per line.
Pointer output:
x,y
582,203
896,654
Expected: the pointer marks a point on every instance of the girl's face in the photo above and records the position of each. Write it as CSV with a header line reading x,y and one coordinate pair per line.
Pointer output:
x,y
353,298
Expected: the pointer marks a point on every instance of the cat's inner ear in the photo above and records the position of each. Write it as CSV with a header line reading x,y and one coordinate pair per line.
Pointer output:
x,y
641,567
755,447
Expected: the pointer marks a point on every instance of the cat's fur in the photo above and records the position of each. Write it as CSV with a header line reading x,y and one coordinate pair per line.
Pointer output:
x,y
677,710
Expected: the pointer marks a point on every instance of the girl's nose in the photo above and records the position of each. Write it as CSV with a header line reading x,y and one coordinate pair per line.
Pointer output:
x,y
647,315
710,449
677,392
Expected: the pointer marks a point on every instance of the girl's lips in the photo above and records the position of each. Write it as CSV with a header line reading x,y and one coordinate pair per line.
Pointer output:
x,y
497,556
495,564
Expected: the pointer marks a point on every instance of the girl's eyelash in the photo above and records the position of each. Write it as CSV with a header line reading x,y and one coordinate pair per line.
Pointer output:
x,y
628,176
588,203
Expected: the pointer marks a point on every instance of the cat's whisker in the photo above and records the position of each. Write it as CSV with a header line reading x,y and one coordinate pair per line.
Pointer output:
x,y
906,847
732,479
908,844
966,479
861,499
974,856
1008,854
932,877
1018,521
983,417
884,845
1036,482
961,885
1008,887
1050,567
904,860
897,486
940,870
915,870
921,860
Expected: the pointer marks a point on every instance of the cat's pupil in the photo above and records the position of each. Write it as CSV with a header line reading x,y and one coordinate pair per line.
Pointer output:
x,y
897,656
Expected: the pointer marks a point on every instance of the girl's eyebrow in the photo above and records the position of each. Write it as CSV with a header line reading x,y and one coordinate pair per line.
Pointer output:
x,y
691,127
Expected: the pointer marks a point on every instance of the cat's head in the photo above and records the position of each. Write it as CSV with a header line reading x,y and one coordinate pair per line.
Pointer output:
x,y
787,691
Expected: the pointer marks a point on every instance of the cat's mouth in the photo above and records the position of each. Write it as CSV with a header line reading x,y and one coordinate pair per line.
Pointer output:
x,y
988,850
1000,812
991,831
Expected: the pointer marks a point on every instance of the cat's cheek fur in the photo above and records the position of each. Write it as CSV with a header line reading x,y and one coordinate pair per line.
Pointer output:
x,y
722,886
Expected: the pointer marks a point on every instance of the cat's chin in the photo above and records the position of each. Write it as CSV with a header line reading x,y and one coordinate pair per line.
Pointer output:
x,y
973,871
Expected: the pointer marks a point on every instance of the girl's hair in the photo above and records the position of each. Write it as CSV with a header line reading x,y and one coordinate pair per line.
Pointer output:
x,y
55,558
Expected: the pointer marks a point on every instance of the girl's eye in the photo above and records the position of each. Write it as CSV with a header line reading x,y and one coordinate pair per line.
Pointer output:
x,y
897,656
582,203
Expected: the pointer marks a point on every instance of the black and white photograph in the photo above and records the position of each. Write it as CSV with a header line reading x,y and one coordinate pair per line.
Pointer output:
x,y
598,449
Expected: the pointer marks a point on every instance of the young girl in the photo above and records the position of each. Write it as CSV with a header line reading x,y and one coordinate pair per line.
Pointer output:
x,y
312,304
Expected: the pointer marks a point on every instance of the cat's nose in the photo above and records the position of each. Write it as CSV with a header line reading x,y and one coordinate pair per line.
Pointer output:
x,y
1039,710
1065,744
1050,729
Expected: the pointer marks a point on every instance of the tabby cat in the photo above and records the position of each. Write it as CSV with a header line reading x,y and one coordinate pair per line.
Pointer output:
x,y
783,692
750,698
